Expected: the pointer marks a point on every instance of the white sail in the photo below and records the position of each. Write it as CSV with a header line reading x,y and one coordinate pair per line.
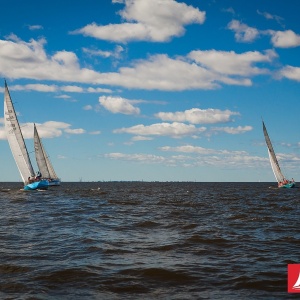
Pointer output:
x,y
42,158
273,160
297,284
15,138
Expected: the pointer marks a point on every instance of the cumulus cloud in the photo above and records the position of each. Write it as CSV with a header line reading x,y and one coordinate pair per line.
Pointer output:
x,y
88,107
243,32
164,73
118,105
145,20
34,87
55,88
35,27
202,69
19,59
232,130
49,129
231,63
290,72
141,157
220,158
98,90
175,130
141,138
72,89
189,149
279,39
116,53
198,116
75,131
95,132
269,16
195,156
199,150
284,39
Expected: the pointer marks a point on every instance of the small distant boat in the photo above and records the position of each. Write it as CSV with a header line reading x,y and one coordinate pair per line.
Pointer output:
x,y
282,181
18,146
43,161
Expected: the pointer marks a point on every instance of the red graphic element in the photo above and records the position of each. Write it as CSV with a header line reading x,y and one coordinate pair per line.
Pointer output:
x,y
293,278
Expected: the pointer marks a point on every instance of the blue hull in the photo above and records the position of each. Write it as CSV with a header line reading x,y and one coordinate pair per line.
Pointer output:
x,y
288,185
38,185
54,182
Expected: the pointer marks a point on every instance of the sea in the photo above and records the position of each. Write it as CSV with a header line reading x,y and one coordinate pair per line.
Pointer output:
x,y
148,240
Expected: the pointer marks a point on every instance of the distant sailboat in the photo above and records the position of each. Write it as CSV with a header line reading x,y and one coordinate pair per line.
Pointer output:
x,y
18,146
282,181
43,161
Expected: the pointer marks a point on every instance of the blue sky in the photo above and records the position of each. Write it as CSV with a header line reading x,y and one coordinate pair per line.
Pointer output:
x,y
154,90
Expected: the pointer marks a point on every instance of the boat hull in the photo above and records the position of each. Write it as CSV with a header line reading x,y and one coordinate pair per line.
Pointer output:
x,y
54,182
288,185
37,185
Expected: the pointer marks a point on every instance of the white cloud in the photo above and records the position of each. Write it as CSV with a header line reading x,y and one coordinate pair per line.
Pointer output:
x,y
88,107
154,20
35,87
198,116
269,16
189,149
35,27
75,131
200,150
49,129
284,39
279,39
231,63
141,138
145,158
98,90
118,105
72,89
95,132
232,130
63,97
243,32
117,53
290,72
199,157
175,130
164,73
29,60
55,88
219,158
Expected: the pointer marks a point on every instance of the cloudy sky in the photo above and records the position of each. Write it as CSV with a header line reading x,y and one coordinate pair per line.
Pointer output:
x,y
154,90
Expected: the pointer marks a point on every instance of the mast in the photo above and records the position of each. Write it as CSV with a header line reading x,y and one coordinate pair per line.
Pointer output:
x,y
273,160
15,138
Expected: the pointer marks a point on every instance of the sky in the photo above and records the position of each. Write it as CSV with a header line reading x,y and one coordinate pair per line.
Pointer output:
x,y
154,90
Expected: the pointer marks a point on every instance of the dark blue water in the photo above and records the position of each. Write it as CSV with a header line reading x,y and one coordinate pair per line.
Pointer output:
x,y
139,240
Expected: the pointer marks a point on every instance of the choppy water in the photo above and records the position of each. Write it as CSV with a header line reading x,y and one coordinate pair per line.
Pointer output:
x,y
136,240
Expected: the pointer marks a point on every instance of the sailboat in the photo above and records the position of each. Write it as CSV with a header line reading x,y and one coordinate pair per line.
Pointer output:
x,y
282,181
18,147
43,161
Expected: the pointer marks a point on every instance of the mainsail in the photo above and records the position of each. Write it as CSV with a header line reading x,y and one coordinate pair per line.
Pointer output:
x,y
15,138
273,160
42,158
